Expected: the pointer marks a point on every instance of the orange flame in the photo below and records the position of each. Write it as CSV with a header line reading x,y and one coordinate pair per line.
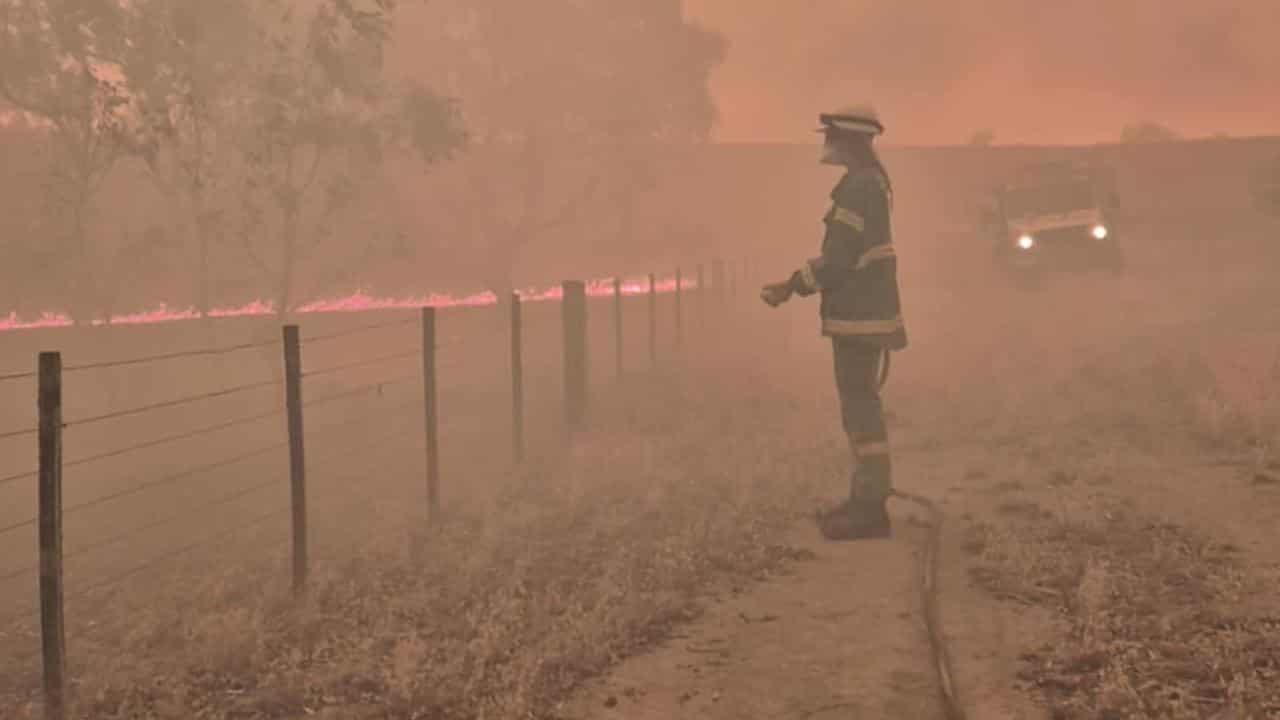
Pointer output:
x,y
358,301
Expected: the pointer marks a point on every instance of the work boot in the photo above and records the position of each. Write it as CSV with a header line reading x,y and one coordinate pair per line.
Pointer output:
x,y
856,520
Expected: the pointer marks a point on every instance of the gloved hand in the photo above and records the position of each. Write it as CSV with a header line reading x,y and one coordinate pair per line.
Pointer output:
x,y
777,293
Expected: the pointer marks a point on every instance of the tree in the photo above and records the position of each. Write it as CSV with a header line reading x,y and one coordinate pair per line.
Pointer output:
x,y
317,118
206,50
69,63
569,105
982,138
1147,132
284,102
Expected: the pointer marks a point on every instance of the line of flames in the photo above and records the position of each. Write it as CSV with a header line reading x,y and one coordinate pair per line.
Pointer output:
x,y
356,302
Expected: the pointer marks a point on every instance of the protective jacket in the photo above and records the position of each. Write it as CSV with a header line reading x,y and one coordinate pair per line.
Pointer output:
x,y
857,270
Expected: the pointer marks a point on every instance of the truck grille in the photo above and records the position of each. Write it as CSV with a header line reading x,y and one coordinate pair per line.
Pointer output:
x,y
1065,235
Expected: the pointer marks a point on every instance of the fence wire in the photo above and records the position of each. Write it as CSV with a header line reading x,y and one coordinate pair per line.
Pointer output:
x,y
172,403
174,517
18,526
216,502
361,390
152,443
169,356
356,492
174,478
359,330
18,433
204,542
404,355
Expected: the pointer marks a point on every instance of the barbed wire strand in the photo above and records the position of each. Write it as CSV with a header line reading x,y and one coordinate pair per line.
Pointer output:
x,y
33,611
391,412
217,502
356,331
360,390
19,572
19,476
200,431
185,549
170,356
194,471
173,403
319,540
18,376
221,426
170,479
18,433
363,363
153,443
18,526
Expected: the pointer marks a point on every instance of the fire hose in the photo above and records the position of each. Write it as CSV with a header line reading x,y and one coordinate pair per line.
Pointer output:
x,y
929,597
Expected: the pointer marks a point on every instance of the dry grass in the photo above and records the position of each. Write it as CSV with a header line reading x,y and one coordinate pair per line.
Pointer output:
x,y
583,559
1154,615
1158,620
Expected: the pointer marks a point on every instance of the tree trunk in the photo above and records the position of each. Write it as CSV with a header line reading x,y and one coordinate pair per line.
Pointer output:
x,y
204,299
288,265
204,290
284,293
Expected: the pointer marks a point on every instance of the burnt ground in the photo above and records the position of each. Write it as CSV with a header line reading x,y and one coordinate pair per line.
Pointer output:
x,y
1104,451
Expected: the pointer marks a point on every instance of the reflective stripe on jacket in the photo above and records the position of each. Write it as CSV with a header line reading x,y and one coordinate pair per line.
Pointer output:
x,y
857,270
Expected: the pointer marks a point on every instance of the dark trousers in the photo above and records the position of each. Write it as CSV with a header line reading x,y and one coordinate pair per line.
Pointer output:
x,y
858,367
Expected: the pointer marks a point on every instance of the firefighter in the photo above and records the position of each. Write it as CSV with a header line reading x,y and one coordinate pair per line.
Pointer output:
x,y
856,276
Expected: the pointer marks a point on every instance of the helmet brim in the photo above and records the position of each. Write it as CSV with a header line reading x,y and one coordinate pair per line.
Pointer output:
x,y
850,124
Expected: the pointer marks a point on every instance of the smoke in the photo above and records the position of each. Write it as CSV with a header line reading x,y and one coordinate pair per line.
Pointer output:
x,y
1031,71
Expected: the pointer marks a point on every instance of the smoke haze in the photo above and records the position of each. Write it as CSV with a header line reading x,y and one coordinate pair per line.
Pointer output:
x,y
1030,71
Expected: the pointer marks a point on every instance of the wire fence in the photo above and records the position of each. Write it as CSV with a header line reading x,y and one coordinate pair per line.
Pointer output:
x,y
375,418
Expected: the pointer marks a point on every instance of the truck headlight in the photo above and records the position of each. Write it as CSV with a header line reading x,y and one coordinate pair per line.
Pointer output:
x,y
1100,232
1026,242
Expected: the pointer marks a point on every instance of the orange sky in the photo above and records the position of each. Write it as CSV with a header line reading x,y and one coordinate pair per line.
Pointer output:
x,y
1030,70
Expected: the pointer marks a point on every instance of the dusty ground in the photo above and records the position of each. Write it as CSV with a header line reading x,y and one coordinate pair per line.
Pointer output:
x,y
1105,452
1110,480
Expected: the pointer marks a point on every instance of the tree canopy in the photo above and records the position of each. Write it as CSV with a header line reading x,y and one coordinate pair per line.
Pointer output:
x,y
568,105
264,117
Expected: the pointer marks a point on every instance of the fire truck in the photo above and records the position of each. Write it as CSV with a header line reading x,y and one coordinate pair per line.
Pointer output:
x,y
1054,218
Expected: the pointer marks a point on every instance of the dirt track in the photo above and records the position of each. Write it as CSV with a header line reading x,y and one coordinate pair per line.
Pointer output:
x,y
1156,394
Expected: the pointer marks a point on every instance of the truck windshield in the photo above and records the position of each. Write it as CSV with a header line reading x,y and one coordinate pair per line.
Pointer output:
x,y
1048,199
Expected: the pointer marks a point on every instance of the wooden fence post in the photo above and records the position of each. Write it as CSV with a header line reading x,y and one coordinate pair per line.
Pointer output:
x,y
52,634
517,379
679,309
618,346
431,411
574,318
297,456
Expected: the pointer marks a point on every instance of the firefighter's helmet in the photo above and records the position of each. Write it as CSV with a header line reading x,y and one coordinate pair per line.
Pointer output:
x,y
858,119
